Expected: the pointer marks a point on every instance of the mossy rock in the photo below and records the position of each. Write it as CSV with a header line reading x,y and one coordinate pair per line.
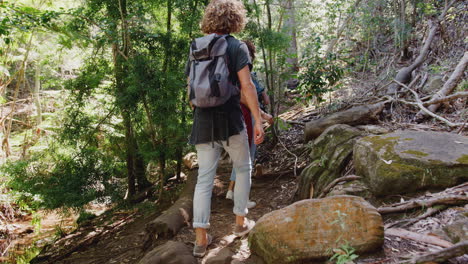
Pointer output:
x,y
332,138
410,161
331,152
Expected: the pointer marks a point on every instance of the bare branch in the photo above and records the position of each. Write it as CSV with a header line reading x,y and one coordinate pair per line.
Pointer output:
x,y
450,85
419,103
447,98
412,204
433,240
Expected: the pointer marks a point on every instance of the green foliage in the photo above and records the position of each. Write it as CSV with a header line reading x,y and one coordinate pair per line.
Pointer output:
x,y
84,217
28,255
463,86
282,125
344,254
427,8
74,180
59,232
23,18
320,74
36,222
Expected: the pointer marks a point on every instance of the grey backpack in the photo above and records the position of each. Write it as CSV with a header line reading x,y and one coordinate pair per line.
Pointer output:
x,y
210,84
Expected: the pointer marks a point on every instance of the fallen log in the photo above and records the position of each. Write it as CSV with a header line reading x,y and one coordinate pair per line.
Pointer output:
x,y
412,204
359,115
443,255
433,240
448,87
178,215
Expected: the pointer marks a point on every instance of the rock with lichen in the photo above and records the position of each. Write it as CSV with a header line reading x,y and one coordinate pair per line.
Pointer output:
x,y
331,153
313,229
410,161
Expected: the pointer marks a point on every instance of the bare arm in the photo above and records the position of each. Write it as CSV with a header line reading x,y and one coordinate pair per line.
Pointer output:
x,y
266,98
267,117
249,98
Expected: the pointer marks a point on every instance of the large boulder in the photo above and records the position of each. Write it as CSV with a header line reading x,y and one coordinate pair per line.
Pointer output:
x,y
408,161
309,230
331,153
170,253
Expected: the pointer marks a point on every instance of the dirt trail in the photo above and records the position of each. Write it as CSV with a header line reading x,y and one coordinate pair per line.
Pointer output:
x,y
270,193
125,242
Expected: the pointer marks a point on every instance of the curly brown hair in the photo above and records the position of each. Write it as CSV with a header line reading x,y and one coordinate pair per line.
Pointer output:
x,y
224,16
251,47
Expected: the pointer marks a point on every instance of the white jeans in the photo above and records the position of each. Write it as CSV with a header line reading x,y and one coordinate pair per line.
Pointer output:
x,y
208,157
252,150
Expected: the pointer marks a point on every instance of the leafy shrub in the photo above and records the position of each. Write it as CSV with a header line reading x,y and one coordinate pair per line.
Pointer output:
x,y
320,74
344,255
85,216
66,180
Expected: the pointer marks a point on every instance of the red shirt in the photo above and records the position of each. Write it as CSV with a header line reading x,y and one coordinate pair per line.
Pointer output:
x,y
248,121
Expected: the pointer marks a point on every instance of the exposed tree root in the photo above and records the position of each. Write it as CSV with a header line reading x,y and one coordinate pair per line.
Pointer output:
x,y
443,255
336,181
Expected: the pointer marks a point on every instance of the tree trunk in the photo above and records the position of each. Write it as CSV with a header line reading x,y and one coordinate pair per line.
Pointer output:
x,y
290,28
404,74
264,53
140,171
121,69
20,80
404,44
274,99
37,89
130,156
